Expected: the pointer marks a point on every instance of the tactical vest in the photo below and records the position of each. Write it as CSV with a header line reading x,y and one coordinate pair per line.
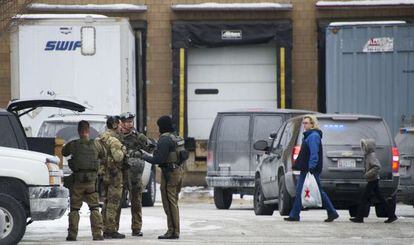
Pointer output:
x,y
85,157
180,154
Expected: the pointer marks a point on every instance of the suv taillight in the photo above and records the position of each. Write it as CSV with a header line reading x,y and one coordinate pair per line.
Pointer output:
x,y
395,160
295,154
210,158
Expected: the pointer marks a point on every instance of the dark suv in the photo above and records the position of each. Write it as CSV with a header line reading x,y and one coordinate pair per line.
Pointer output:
x,y
405,144
342,175
231,161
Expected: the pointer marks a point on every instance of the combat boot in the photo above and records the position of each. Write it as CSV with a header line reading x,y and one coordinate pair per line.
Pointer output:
x,y
70,238
113,235
168,236
98,238
137,233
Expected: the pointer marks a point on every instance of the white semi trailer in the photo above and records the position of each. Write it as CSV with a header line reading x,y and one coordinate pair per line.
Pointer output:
x,y
87,57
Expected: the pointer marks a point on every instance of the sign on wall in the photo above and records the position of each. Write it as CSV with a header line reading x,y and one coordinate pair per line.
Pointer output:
x,y
379,44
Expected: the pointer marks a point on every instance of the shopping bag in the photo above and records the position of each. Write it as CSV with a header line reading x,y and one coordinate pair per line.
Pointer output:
x,y
311,196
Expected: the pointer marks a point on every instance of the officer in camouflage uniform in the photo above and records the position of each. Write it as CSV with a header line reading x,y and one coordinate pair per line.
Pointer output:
x,y
171,179
133,167
112,177
84,163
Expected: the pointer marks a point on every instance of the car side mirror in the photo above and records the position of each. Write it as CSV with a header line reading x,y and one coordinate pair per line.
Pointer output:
x,y
261,145
273,135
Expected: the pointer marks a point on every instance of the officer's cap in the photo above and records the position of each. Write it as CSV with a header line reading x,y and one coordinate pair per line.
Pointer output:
x,y
126,115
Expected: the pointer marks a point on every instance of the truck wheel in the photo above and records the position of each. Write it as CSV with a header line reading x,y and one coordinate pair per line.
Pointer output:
x,y
222,198
259,207
353,211
148,198
15,219
381,211
285,200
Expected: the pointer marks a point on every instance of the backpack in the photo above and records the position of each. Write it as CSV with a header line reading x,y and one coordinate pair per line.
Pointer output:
x,y
84,162
85,157
180,154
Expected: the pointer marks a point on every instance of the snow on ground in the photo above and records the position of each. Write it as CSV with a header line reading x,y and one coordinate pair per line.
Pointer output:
x,y
202,223
154,220
200,193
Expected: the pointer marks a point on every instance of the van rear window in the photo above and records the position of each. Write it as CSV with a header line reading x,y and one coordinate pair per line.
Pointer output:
x,y
336,132
234,128
265,125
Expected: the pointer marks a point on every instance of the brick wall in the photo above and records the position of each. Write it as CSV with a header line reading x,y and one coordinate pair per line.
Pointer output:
x,y
159,67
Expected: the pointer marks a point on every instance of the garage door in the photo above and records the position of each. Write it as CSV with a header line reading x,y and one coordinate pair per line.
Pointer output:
x,y
228,78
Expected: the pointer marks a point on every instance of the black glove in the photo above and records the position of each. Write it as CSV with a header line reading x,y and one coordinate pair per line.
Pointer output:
x,y
312,171
146,157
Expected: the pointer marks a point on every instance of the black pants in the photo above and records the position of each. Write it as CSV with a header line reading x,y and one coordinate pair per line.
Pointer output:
x,y
372,186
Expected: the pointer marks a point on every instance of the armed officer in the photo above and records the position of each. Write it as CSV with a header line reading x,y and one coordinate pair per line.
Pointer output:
x,y
168,157
112,177
134,142
85,159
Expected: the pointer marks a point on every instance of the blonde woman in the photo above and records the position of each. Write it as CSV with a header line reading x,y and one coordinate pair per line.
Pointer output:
x,y
310,160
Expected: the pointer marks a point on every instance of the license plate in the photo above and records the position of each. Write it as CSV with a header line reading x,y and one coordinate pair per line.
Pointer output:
x,y
346,163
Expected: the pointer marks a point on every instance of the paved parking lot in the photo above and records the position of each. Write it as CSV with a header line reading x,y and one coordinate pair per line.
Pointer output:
x,y
202,223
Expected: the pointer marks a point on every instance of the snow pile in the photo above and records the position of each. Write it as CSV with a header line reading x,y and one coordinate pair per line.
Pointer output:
x,y
89,7
233,6
195,193
364,3
58,16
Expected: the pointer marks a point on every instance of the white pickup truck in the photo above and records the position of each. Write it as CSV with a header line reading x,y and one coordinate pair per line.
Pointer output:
x,y
30,181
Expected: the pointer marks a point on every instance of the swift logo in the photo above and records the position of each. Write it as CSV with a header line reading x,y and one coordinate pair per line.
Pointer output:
x,y
62,45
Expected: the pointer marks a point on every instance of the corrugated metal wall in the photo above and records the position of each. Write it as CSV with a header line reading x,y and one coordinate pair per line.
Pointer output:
x,y
370,70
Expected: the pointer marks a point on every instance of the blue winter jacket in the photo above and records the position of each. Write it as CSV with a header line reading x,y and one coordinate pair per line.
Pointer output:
x,y
311,152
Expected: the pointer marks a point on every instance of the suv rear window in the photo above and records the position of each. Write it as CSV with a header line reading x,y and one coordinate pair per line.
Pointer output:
x,y
340,132
68,130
